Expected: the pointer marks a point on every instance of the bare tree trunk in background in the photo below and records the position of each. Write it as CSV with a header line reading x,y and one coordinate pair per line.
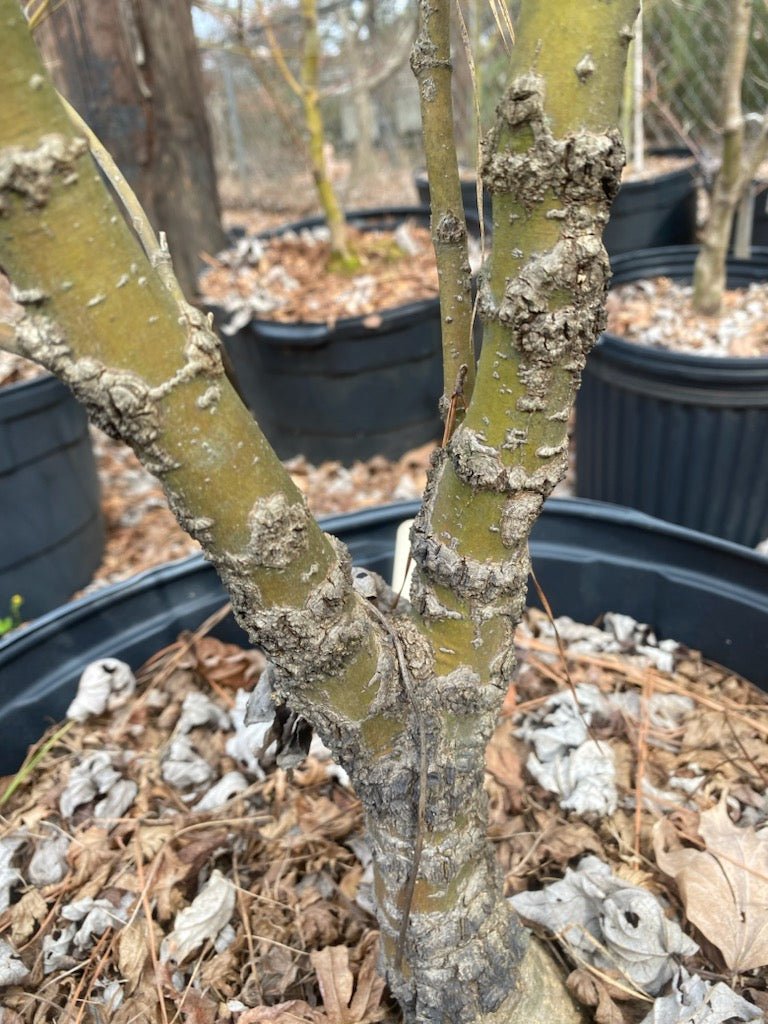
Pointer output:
x,y
132,71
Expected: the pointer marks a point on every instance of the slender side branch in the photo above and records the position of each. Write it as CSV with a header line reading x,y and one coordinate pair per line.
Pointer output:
x,y
431,64
730,180
310,97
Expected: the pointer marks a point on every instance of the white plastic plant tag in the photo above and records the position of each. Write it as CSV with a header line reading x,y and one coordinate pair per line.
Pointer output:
x,y
401,570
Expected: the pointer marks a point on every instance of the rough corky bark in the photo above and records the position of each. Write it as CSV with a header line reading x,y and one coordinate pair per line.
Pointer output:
x,y
408,705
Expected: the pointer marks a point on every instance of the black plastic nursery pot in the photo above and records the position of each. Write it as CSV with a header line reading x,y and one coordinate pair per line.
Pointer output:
x,y
677,435
652,212
760,216
51,526
588,557
361,387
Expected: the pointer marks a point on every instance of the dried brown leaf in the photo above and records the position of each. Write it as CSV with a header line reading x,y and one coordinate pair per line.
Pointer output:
x,y
337,982
133,952
197,1008
283,1013
227,664
366,1003
724,887
564,842
26,915
591,991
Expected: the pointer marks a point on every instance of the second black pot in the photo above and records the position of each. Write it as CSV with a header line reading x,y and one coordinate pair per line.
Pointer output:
x,y
364,386
677,435
652,212
51,525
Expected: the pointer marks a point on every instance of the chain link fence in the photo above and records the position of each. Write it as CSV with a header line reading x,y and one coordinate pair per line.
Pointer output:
x,y
683,53
684,45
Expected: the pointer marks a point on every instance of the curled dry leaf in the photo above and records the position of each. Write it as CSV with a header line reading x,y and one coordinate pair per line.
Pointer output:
x,y
337,983
724,887
692,1000
133,952
295,1010
202,920
592,991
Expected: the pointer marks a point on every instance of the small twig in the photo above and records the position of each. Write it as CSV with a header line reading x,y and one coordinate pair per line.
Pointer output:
x,y
33,758
642,760
418,843
457,396
150,933
563,656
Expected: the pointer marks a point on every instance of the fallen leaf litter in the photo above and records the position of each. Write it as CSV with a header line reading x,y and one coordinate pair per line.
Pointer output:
x,y
288,278
157,864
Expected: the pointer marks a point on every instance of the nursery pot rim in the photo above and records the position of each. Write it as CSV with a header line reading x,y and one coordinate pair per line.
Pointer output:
x,y
686,368
17,396
590,558
602,512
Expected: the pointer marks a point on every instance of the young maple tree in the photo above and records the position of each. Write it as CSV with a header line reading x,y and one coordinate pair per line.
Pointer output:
x,y
738,165
407,702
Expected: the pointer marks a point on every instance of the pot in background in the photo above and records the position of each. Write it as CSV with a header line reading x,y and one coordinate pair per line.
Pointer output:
x,y
51,525
468,196
364,386
674,434
649,213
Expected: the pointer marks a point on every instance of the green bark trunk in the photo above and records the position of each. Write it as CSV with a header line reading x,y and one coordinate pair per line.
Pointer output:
x,y
407,706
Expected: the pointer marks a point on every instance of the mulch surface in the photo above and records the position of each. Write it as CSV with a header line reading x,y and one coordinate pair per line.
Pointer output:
x,y
158,866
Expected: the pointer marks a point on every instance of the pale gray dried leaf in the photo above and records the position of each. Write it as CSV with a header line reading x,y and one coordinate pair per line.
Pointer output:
x,y
95,775
561,723
94,917
202,920
258,706
224,939
111,996
614,926
584,778
49,861
57,949
183,767
117,800
695,1001
12,969
227,786
724,887
252,718
105,685
198,710
9,876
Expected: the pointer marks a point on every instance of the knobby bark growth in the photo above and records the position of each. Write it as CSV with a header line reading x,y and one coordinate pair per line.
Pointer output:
x,y
737,169
133,73
407,703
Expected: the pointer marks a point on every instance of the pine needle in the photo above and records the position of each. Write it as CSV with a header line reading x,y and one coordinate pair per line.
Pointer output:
x,y
503,20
